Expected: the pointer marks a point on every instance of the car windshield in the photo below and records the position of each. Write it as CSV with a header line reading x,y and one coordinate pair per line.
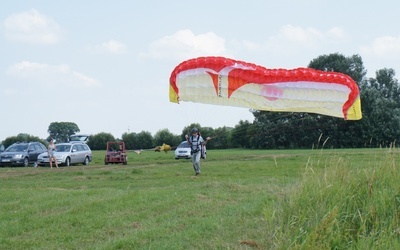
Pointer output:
x,y
184,144
63,148
17,148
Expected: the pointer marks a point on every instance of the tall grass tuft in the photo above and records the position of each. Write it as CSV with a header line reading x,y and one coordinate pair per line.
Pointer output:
x,y
341,206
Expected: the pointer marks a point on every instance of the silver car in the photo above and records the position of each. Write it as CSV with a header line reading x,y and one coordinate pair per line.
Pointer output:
x,y
68,154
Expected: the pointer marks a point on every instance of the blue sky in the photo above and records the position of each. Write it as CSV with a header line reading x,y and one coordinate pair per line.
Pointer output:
x,y
105,65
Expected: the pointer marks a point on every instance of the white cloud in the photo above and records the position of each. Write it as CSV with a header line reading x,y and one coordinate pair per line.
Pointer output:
x,y
50,75
111,47
251,45
307,37
337,35
383,52
32,27
299,35
185,44
29,69
383,46
85,80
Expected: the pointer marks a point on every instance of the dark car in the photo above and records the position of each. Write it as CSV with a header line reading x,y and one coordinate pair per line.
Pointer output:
x,y
21,153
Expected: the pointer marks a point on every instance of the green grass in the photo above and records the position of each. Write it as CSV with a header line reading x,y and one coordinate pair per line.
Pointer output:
x,y
244,199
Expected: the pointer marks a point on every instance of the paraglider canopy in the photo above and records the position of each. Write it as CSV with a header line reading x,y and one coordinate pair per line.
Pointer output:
x,y
224,81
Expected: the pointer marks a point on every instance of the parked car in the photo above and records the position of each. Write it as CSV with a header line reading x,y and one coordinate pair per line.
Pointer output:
x,y
68,154
183,151
22,153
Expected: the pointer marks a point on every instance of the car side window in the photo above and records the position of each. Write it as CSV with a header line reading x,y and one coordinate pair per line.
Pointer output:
x,y
74,148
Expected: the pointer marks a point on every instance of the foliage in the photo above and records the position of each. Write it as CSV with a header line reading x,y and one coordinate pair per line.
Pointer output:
x,y
21,138
221,138
186,130
165,136
142,140
60,131
381,108
99,141
352,66
145,140
130,140
242,136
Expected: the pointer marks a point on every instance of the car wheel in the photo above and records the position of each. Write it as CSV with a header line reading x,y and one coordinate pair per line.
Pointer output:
x,y
26,161
86,162
68,162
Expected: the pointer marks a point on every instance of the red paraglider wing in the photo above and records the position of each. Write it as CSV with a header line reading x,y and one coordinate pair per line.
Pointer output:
x,y
224,81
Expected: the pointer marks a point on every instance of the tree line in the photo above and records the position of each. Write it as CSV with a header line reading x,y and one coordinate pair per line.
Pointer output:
x,y
379,127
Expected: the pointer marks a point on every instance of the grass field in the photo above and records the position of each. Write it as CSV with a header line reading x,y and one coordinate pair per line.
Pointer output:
x,y
244,199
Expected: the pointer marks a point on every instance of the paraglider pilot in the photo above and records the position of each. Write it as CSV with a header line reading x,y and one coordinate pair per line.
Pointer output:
x,y
196,143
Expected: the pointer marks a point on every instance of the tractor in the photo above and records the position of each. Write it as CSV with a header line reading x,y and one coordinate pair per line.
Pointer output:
x,y
116,153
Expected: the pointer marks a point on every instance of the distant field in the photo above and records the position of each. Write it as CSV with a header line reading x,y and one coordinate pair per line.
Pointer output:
x,y
244,199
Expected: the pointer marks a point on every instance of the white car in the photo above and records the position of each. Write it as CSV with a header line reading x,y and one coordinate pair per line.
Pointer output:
x,y
183,151
68,154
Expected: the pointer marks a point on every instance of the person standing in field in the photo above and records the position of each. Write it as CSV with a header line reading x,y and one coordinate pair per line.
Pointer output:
x,y
50,151
196,143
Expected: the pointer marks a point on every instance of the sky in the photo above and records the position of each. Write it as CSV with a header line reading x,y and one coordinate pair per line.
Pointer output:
x,y
105,65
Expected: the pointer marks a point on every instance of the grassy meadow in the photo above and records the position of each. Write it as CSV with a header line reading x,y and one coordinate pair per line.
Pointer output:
x,y
244,199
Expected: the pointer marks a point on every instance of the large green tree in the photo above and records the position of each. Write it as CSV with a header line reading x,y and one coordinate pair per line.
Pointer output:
x,y
220,137
130,140
242,135
142,140
352,66
165,136
145,140
99,141
21,138
306,130
60,131
380,97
